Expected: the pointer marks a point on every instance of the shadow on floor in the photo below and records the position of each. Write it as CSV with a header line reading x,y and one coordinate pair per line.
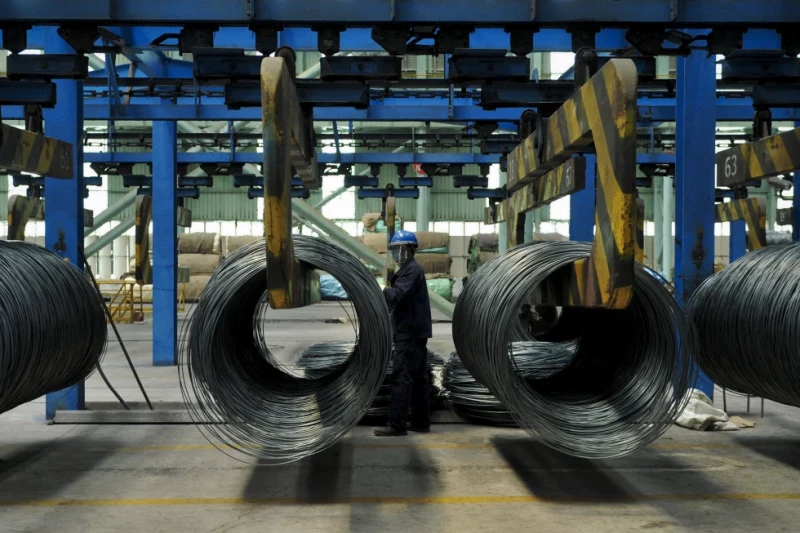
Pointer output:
x,y
345,477
780,449
676,487
43,470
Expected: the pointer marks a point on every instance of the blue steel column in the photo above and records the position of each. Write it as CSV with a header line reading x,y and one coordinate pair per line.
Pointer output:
x,y
165,243
796,202
737,240
581,206
694,180
64,198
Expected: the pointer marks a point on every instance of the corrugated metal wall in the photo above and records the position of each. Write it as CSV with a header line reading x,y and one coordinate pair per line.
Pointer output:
x,y
223,202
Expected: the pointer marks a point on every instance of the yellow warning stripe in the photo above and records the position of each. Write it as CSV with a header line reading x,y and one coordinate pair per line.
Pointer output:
x,y
752,213
404,500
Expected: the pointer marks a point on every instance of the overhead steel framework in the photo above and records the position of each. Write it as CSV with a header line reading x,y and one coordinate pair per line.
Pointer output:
x,y
483,91
546,13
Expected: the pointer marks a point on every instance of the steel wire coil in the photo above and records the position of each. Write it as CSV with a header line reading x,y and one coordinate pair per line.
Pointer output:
x,y
257,409
626,382
321,359
52,326
474,402
746,319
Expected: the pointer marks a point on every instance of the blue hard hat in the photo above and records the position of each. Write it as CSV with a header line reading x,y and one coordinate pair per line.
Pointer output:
x,y
404,237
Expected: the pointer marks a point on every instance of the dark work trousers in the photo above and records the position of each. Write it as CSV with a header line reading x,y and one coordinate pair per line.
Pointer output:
x,y
409,384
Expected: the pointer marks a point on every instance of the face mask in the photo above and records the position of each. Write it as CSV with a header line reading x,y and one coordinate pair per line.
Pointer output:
x,y
397,255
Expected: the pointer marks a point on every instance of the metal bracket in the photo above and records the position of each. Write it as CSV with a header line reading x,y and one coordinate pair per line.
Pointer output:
x,y
80,37
363,194
15,38
446,39
608,100
417,181
228,64
192,37
491,194
288,145
650,41
790,40
328,39
195,181
465,65
360,181
470,181
521,40
266,39
585,65
725,40
47,67
360,68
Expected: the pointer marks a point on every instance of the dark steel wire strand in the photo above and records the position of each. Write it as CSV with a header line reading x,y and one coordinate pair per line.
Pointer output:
x,y
746,319
52,327
474,402
229,376
626,382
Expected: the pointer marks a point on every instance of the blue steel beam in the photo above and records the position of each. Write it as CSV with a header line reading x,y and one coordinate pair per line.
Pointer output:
x,y
796,202
154,64
547,13
165,244
362,158
694,179
360,39
64,214
650,111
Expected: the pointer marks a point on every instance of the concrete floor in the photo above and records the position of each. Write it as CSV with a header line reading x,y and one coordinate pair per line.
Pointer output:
x,y
459,478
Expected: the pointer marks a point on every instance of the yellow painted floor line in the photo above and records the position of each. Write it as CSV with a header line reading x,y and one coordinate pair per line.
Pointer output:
x,y
394,500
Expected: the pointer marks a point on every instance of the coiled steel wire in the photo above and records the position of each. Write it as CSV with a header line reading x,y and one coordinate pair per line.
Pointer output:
x,y
321,359
474,402
626,382
255,408
746,319
52,326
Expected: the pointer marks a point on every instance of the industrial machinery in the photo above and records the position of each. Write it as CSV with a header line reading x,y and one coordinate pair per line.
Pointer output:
x,y
542,169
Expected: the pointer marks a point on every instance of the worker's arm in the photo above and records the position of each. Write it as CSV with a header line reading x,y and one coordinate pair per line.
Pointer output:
x,y
401,287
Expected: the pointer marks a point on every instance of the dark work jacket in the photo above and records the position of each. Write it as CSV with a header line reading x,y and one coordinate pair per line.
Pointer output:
x,y
408,300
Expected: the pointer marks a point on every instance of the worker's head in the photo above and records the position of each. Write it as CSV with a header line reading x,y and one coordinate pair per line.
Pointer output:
x,y
402,247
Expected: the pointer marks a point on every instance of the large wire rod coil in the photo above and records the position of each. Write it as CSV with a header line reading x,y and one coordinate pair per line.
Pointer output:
x,y
230,377
627,380
52,325
747,317
475,403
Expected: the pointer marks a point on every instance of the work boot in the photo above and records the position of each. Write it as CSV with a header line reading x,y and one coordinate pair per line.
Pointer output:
x,y
390,431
